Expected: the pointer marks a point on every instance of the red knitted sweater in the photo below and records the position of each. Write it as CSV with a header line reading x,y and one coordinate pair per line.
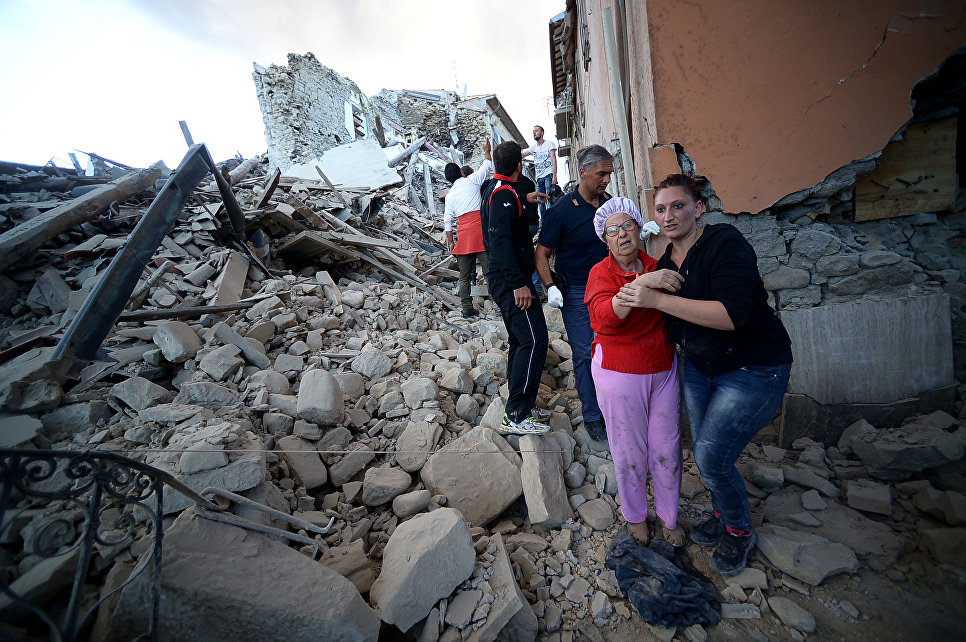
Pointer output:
x,y
636,345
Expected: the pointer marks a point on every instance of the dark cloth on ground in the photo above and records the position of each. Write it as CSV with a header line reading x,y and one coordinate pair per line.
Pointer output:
x,y
662,592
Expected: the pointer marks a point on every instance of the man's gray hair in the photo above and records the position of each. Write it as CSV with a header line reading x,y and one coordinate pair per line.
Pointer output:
x,y
590,156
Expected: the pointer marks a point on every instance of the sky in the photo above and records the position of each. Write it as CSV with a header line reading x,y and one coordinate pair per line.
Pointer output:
x,y
114,77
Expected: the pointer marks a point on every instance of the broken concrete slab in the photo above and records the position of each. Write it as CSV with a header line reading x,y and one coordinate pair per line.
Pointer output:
x,y
510,616
416,443
245,563
809,558
222,362
541,474
139,393
17,430
240,475
895,455
425,559
206,394
178,342
792,614
869,496
320,399
351,562
303,461
479,473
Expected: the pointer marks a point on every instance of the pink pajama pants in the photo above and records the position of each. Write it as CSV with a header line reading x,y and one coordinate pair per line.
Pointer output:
x,y
641,413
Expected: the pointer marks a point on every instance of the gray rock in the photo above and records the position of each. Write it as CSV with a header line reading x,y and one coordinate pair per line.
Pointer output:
x,y
178,342
870,280
467,408
270,380
792,614
263,307
139,393
410,503
303,461
351,562
382,485
289,363
767,477
814,244
252,352
808,479
877,259
459,613
786,278
597,513
371,364
574,475
416,443
510,616
203,456
809,558
41,583
948,506
811,500
740,612
457,380
320,399
869,496
947,545
494,363
350,464
351,384
353,298
16,430
239,475
425,559
74,418
749,578
245,563
205,394
837,265
543,483
895,455
416,390
222,362
478,472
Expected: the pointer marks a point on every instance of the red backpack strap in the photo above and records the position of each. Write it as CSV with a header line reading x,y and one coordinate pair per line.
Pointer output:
x,y
515,196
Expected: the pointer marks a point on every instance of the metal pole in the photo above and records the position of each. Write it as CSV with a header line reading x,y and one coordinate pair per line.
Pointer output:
x,y
617,97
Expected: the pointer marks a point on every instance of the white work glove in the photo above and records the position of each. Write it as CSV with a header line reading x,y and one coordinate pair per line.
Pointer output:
x,y
554,298
650,228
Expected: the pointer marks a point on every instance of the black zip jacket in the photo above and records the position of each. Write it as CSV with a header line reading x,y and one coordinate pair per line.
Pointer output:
x,y
505,215
722,266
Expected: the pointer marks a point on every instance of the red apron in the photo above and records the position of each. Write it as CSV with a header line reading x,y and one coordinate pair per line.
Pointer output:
x,y
469,234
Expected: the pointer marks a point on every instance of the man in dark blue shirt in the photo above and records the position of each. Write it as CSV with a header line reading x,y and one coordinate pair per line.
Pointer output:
x,y
568,232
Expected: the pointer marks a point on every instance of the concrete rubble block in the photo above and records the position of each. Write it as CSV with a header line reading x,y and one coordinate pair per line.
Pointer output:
x,y
947,545
274,382
416,443
811,500
479,473
948,506
371,364
18,373
221,362
355,299
806,557
767,477
459,611
239,475
467,408
289,363
416,390
740,612
75,417
808,479
238,605
173,413
382,485
869,496
493,415
749,578
856,429
320,399
425,558
350,464
206,394
494,363
41,583
544,488
178,342
41,396
597,513
336,439
895,455
139,393
248,351
510,616
351,562
203,456
263,307
530,542
409,504
457,380
16,430
792,614
303,461
351,384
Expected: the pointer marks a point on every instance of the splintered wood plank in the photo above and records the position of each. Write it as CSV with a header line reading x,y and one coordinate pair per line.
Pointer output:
x,y
310,244
362,241
231,282
917,174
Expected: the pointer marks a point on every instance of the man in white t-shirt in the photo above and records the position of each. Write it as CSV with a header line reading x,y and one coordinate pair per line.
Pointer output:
x,y
544,154
463,205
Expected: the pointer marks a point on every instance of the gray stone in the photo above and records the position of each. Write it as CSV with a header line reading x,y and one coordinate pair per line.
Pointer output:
x,y
263,307
809,558
252,352
303,461
139,393
837,265
792,614
382,485
425,558
74,418
409,504
895,455
457,380
173,413
478,472
416,390
351,384
948,506
205,394
870,280
239,475
494,363
597,513
808,479
805,519
947,545
350,464
416,443
178,342
351,562
289,363
695,633
371,364
320,399
459,612
334,439
203,456
510,616
749,578
785,278
543,483
41,583
813,244
877,259
16,430
245,563
740,612
767,477
270,380
467,408
354,298
869,496
222,362
811,500
575,474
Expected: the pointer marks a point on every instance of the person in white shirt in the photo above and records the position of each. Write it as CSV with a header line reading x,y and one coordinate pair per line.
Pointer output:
x,y
463,204
544,154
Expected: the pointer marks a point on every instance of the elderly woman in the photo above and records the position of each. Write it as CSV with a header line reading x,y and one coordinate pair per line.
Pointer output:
x,y
635,374
737,355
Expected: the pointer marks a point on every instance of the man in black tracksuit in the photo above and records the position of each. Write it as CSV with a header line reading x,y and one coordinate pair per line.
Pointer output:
x,y
509,246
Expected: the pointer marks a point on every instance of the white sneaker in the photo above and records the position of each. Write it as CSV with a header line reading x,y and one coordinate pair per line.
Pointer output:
x,y
541,414
528,426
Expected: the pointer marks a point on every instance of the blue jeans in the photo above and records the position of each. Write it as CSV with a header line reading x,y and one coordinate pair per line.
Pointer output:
x,y
543,185
725,412
576,319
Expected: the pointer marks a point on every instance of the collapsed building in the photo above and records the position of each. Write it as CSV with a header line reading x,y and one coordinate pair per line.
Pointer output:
x,y
831,137
289,357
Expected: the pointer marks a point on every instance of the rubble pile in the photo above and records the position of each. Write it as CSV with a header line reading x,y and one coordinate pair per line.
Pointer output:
x,y
320,368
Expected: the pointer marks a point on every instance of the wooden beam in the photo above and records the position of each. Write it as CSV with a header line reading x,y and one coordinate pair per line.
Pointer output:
x,y
242,170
